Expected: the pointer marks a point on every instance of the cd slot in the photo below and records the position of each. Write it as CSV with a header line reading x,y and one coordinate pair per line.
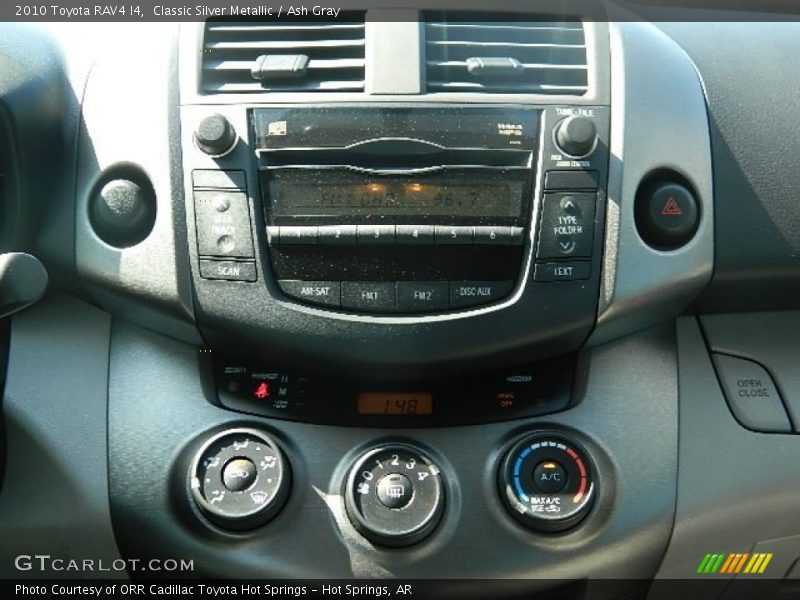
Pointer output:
x,y
361,159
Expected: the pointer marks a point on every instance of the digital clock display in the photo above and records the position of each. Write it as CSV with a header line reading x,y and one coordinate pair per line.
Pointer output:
x,y
395,403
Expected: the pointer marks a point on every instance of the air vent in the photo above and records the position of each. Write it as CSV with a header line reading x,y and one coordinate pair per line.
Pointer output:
x,y
465,54
322,56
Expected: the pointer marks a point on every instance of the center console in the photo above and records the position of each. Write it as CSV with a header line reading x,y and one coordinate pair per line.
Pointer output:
x,y
422,284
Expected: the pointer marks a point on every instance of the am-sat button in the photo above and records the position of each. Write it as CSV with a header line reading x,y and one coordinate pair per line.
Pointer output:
x,y
327,293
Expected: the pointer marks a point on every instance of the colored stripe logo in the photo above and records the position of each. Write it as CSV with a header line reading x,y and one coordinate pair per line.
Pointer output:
x,y
734,563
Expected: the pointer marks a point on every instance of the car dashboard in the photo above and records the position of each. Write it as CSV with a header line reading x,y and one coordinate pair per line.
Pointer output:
x,y
403,294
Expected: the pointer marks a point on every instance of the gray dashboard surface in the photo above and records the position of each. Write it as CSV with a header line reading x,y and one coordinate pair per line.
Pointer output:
x,y
748,72
627,418
736,487
55,486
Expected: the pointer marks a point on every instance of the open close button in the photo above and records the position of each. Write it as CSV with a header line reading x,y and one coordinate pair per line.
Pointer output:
x,y
752,395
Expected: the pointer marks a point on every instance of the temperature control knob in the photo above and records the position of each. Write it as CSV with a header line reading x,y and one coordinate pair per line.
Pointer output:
x,y
394,495
547,482
239,478
215,135
576,136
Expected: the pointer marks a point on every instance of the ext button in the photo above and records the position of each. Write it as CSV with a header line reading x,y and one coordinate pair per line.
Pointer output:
x,y
415,234
369,296
472,293
375,234
562,271
418,296
326,293
453,234
228,269
567,228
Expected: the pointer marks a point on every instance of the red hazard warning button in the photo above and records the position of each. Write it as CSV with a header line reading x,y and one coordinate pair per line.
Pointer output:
x,y
671,208
667,214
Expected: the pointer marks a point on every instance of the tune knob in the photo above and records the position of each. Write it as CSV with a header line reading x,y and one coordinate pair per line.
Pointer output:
x,y
239,479
576,136
547,482
394,495
215,135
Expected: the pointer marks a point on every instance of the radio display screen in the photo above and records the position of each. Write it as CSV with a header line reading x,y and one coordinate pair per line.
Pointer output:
x,y
398,197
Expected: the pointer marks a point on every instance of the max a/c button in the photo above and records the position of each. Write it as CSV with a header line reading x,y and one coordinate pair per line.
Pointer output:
x,y
230,270
562,271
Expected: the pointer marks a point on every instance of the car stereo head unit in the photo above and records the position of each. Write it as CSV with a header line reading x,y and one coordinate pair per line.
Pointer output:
x,y
397,209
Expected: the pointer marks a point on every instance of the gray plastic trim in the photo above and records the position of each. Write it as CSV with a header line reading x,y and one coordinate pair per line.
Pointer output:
x,y
659,121
393,45
403,64
735,487
55,496
130,119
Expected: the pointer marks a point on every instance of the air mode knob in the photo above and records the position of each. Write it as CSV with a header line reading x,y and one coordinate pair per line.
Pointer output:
x,y
576,136
215,135
239,479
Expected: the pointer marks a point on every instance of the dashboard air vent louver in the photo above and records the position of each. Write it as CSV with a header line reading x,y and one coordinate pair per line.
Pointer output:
x,y
465,52
307,56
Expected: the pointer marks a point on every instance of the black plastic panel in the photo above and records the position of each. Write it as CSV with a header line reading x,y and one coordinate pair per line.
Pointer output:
x,y
536,321
336,399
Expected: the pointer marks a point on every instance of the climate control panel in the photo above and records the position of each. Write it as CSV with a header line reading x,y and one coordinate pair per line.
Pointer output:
x,y
394,493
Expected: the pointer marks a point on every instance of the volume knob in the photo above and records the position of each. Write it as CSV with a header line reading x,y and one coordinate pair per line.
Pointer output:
x,y
215,135
576,136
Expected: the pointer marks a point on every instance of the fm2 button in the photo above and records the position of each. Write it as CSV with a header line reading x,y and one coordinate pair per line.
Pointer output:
x,y
667,215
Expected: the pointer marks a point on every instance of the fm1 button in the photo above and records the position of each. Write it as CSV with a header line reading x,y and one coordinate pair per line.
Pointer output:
x,y
239,474
667,215
550,477
395,490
